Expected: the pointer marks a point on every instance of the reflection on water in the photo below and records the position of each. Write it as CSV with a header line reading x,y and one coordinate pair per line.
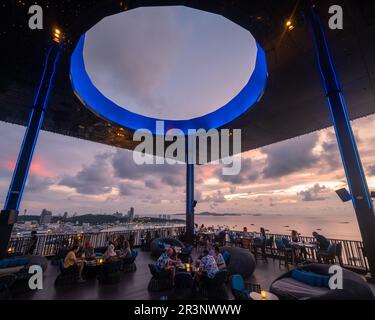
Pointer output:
x,y
343,227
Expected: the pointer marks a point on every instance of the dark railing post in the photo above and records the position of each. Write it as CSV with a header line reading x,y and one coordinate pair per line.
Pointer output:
x,y
8,216
190,152
361,198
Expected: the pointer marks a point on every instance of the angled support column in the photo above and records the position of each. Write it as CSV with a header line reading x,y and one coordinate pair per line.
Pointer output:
x,y
8,216
361,197
190,203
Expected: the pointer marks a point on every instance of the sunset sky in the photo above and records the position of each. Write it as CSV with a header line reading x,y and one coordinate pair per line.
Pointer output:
x,y
291,177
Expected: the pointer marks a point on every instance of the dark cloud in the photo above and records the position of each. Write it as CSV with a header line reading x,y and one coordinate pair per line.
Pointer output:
x,y
216,198
93,179
126,189
290,156
125,168
38,183
330,154
246,176
315,193
174,180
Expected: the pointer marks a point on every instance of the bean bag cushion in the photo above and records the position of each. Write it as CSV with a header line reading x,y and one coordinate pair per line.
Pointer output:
x,y
241,261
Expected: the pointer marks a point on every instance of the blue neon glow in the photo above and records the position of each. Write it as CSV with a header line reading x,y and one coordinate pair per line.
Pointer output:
x,y
105,108
37,131
347,120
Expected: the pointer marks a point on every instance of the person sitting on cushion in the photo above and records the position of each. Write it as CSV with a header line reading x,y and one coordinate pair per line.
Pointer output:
x,y
71,262
166,263
110,253
126,252
219,259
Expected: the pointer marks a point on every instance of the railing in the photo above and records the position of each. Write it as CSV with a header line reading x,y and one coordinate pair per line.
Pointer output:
x,y
352,254
49,245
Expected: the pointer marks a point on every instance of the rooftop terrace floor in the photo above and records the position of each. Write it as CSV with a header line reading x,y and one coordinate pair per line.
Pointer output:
x,y
133,286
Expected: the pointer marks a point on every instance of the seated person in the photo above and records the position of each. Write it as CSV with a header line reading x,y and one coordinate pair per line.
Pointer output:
x,y
322,242
88,251
245,233
207,267
120,241
166,263
219,259
110,253
261,238
71,262
126,252
301,252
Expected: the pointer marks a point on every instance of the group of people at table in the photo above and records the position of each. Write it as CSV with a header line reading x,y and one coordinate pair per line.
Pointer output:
x,y
298,247
80,256
205,267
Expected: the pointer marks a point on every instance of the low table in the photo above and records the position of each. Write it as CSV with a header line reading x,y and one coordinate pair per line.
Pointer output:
x,y
269,296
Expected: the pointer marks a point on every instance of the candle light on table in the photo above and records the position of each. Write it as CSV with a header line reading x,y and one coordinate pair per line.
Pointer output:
x,y
188,267
264,295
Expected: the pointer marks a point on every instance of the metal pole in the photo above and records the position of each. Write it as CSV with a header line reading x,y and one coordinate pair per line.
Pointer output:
x,y
361,197
189,194
8,216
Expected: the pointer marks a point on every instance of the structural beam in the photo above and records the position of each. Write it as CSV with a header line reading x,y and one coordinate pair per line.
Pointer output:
x,y
8,216
361,196
190,202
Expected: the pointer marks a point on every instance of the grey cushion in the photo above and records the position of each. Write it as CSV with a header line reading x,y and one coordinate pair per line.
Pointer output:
x,y
242,261
289,287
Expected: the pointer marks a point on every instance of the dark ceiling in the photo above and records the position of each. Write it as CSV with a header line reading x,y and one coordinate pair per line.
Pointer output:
x,y
293,105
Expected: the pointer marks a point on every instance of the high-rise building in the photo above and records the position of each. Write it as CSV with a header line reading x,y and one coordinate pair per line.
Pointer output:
x,y
45,217
65,216
131,214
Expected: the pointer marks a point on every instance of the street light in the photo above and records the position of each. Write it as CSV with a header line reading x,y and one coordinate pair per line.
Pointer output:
x,y
57,35
289,25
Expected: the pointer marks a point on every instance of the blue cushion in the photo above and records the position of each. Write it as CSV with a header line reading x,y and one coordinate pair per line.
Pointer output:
x,y
24,261
134,253
279,243
98,254
304,277
321,280
12,263
226,256
4,263
61,264
310,278
238,283
286,242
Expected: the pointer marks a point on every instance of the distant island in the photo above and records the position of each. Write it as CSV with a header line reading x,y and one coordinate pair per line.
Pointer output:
x,y
214,214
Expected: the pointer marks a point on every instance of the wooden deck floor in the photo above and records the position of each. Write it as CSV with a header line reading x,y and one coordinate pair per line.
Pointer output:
x,y
133,286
